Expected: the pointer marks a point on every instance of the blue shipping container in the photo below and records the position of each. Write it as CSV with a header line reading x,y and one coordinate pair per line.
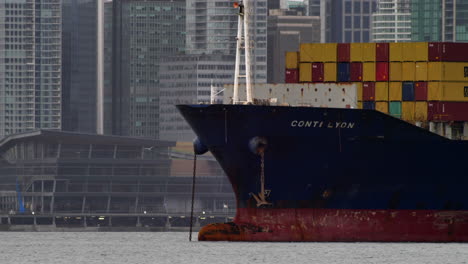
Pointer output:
x,y
368,105
343,72
408,91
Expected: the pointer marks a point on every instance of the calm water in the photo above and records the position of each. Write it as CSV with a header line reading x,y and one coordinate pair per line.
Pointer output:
x,y
174,248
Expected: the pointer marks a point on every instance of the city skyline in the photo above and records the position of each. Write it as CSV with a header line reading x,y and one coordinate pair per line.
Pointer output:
x,y
50,81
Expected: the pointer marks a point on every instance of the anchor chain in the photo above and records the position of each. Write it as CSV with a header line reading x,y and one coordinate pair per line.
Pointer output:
x,y
261,197
262,172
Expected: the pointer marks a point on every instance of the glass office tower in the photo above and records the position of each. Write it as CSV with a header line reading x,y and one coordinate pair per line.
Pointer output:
x,y
143,32
439,20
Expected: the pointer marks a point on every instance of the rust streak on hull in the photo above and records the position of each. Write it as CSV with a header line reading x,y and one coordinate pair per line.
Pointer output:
x,y
341,225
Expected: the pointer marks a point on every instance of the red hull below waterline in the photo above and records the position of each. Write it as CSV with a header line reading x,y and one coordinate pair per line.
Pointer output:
x,y
345,225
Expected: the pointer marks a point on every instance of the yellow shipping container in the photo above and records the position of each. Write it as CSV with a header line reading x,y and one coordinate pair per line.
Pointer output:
x,y
359,105
368,51
368,71
311,52
355,52
305,72
421,51
447,91
447,71
434,91
420,113
421,71
396,51
407,52
394,93
329,51
415,51
395,71
329,71
381,91
359,91
292,60
382,107
408,110
408,71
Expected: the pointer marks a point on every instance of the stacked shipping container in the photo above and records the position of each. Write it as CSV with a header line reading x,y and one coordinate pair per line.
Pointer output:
x,y
414,81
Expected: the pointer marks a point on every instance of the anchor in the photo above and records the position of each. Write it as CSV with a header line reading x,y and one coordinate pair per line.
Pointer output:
x,y
257,146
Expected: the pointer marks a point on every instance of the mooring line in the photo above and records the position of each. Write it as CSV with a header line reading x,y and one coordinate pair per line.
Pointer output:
x,y
193,194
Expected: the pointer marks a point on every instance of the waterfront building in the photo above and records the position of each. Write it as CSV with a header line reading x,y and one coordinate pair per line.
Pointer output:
x,y
67,179
392,21
30,65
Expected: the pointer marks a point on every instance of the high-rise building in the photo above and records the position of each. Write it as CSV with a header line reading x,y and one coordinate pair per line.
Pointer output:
x,y
210,59
212,29
143,32
284,4
439,20
30,65
300,7
274,4
346,20
392,21
79,67
108,67
188,79
286,31
314,8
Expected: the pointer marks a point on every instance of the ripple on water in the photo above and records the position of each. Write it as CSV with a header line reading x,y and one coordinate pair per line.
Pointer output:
x,y
171,248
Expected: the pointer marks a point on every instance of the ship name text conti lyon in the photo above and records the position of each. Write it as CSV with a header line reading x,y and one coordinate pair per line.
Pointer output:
x,y
321,124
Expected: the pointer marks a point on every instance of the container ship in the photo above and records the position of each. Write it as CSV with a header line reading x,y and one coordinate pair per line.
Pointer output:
x,y
362,143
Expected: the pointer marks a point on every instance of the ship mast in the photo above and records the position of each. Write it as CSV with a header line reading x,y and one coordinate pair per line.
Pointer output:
x,y
243,37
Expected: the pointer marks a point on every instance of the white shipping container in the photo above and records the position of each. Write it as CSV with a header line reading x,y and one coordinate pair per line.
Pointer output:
x,y
303,94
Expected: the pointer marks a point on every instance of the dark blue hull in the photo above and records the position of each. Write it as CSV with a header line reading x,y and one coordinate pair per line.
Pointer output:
x,y
333,175
333,158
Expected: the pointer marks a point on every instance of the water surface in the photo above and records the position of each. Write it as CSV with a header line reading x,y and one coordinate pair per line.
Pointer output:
x,y
174,248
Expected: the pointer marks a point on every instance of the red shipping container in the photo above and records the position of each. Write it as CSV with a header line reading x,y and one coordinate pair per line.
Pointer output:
x,y
317,72
368,91
447,111
381,71
382,52
355,72
448,51
420,91
292,76
343,52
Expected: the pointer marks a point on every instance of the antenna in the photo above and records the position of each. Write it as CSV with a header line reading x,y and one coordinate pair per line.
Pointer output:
x,y
212,93
243,37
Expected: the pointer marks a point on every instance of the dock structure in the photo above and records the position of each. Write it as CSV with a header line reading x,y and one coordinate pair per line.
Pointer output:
x,y
52,180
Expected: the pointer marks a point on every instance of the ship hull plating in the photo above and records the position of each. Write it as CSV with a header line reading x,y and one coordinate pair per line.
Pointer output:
x,y
333,175
341,225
